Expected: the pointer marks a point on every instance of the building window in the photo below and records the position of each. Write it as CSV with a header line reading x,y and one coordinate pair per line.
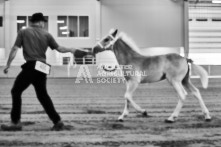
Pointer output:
x,y
21,22
73,26
62,26
216,19
83,26
201,19
1,21
66,60
24,21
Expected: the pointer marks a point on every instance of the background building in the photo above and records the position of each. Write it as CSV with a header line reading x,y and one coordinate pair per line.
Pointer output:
x,y
192,25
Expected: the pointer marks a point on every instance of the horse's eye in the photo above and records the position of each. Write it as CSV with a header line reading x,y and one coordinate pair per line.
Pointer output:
x,y
106,40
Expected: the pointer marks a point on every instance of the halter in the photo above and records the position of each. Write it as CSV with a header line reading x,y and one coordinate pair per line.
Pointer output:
x,y
110,44
112,37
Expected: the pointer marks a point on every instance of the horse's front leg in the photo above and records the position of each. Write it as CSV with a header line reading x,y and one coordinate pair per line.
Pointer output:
x,y
131,87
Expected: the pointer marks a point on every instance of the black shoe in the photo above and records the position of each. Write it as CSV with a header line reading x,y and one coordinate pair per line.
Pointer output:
x,y
12,127
59,126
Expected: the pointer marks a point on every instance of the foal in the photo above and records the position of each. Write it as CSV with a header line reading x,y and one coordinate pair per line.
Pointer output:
x,y
172,67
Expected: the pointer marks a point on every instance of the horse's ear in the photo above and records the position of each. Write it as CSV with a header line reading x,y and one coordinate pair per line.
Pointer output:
x,y
115,33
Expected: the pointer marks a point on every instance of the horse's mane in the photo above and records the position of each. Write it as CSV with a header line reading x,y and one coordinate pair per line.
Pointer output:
x,y
127,40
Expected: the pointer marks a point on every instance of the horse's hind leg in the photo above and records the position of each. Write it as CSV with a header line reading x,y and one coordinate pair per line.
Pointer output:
x,y
197,94
131,87
182,95
126,111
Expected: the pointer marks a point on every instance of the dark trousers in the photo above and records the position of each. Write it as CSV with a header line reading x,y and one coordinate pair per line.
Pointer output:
x,y
38,80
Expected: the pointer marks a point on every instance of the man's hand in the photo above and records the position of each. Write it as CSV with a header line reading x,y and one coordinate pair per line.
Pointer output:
x,y
80,50
12,55
6,69
78,53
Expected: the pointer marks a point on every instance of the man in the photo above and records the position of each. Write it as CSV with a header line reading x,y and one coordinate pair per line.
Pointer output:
x,y
34,40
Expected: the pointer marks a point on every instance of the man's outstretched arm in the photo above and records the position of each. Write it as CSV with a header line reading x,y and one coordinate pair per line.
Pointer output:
x,y
63,49
75,51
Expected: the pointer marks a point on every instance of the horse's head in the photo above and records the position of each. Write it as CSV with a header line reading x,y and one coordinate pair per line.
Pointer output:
x,y
104,44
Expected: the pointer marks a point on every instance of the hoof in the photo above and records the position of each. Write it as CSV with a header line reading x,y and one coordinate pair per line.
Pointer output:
x,y
169,121
208,119
120,120
117,126
145,113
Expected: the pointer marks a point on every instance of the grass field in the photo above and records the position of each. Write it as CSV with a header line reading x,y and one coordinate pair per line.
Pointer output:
x,y
91,109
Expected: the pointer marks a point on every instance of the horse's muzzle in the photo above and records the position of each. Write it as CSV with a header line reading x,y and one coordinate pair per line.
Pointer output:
x,y
97,49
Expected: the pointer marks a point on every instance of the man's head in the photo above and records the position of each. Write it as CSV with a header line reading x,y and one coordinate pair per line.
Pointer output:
x,y
38,18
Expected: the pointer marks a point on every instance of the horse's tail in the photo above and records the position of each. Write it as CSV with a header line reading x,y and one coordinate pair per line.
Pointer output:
x,y
199,70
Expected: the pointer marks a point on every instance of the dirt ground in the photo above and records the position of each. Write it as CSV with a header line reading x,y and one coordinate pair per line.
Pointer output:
x,y
90,111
